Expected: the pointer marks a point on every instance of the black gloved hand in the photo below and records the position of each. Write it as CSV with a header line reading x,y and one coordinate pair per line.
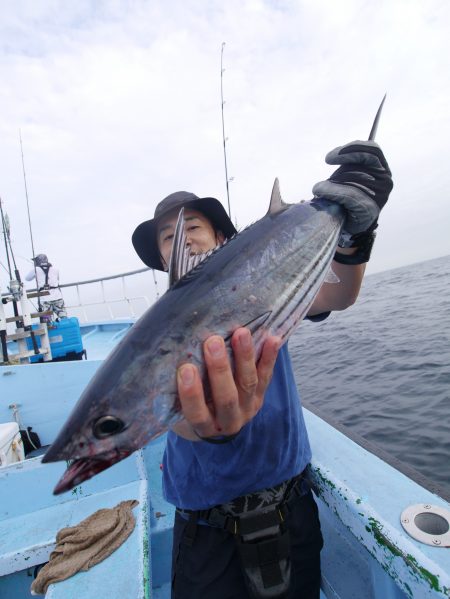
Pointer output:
x,y
361,185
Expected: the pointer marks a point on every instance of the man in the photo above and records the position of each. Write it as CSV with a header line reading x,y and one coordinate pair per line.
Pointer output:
x,y
246,523
47,279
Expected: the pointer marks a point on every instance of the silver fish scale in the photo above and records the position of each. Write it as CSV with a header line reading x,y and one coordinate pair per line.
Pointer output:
x,y
292,308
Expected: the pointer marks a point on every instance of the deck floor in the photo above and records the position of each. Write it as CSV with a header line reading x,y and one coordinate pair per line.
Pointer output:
x,y
99,340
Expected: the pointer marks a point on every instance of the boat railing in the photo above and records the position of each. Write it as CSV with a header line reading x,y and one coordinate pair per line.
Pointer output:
x,y
134,300
123,295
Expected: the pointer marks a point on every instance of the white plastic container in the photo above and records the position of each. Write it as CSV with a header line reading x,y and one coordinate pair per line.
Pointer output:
x,y
11,446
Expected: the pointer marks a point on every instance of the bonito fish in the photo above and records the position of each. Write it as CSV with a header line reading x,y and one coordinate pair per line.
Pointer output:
x,y
265,278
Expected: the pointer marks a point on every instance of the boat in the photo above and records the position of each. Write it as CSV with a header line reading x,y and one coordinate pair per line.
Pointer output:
x,y
385,526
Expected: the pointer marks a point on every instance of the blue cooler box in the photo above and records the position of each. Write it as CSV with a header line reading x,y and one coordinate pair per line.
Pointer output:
x,y
65,340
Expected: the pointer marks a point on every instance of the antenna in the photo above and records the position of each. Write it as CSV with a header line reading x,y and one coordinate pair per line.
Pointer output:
x,y
227,180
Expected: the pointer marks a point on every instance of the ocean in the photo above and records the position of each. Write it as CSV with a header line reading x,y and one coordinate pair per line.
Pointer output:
x,y
382,367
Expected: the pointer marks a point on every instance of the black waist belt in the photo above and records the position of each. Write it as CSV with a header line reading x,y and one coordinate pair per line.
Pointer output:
x,y
245,522
261,536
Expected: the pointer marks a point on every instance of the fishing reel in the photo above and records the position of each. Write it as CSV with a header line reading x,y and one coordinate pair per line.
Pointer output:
x,y
16,289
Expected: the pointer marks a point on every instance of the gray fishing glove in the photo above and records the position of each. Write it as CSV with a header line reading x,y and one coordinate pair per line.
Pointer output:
x,y
361,185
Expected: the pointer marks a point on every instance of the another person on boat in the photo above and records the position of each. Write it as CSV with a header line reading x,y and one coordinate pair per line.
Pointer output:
x,y
246,523
47,279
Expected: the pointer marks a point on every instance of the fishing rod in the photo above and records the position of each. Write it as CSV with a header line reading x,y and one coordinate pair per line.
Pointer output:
x,y
29,221
29,328
7,232
3,321
5,237
14,284
227,180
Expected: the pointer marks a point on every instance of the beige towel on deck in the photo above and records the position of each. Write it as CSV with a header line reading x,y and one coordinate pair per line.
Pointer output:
x,y
82,546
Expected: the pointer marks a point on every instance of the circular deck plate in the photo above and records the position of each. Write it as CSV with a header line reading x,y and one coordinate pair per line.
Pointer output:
x,y
429,524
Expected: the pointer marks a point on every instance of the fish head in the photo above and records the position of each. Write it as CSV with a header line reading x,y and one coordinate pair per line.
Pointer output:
x,y
108,426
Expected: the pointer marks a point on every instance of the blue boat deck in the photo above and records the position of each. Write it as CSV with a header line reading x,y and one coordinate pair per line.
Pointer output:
x,y
27,537
367,554
100,338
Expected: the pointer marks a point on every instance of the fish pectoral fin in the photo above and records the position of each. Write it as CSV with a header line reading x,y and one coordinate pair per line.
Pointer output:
x,y
331,277
276,201
254,325
181,261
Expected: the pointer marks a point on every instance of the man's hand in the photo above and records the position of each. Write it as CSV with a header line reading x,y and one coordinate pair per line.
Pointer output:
x,y
361,185
235,399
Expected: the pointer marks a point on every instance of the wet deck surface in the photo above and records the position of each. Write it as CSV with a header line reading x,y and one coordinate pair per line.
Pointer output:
x,y
99,339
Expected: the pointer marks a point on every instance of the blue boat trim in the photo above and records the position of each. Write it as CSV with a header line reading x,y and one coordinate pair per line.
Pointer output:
x,y
375,449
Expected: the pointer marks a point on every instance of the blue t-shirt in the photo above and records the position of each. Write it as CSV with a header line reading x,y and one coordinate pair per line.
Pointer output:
x,y
271,448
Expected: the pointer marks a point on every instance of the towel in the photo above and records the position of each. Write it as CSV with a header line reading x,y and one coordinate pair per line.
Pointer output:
x,y
82,546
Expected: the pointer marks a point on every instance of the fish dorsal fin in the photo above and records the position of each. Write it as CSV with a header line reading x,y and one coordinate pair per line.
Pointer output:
x,y
181,261
276,201
178,254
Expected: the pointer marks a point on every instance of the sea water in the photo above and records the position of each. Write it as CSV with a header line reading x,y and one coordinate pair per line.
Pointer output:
x,y
382,367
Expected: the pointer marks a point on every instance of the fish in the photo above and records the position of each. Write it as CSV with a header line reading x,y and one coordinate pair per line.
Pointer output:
x,y
264,278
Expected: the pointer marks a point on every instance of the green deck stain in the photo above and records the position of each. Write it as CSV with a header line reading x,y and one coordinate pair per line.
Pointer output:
x,y
146,553
325,480
381,539
432,579
377,530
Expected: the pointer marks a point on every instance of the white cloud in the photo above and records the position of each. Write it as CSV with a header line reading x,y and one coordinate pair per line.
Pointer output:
x,y
119,104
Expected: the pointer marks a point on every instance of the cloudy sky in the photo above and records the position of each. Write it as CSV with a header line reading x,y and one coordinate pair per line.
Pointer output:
x,y
118,104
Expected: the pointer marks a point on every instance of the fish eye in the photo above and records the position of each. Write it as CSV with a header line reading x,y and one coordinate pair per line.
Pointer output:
x,y
106,426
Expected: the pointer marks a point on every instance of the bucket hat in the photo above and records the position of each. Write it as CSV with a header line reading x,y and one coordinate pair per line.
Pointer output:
x,y
40,259
144,237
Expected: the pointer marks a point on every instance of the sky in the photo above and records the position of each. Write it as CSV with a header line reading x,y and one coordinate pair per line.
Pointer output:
x,y
118,104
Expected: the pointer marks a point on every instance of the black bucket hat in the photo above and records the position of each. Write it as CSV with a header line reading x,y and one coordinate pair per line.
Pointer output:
x,y
144,237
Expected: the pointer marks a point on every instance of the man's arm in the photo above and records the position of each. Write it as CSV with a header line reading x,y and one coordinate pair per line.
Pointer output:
x,y
342,295
361,185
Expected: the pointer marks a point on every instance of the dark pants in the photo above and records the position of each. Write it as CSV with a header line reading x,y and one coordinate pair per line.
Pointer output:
x,y
210,567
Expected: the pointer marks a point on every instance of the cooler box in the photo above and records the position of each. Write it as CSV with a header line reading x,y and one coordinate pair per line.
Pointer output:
x,y
11,446
65,340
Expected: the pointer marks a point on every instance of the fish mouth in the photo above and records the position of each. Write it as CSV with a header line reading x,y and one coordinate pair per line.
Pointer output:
x,y
82,469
